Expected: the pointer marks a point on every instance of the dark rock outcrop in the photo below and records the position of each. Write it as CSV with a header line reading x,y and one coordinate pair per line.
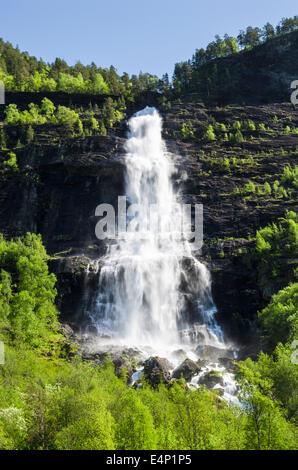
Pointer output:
x,y
157,370
229,364
213,354
186,370
210,379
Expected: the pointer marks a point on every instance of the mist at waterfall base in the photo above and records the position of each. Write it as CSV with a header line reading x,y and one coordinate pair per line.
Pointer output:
x,y
141,301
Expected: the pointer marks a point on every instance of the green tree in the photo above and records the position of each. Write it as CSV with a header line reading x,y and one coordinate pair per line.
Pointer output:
x,y
135,429
279,319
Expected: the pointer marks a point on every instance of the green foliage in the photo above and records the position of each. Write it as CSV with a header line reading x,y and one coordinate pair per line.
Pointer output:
x,y
57,404
90,122
267,188
266,426
70,120
47,108
262,127
280,318
135,424
250,125
28,307
236,125
289,177
273,257
189,76
34,114
209,135
111,112
187,131
91,425
281,238
11,163
237,137
249,188
286,188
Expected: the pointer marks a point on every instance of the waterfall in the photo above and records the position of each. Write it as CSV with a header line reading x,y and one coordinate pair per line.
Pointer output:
x,y
139,299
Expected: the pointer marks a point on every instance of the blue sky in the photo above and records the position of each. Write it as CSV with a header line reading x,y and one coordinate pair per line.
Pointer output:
x,y
132,35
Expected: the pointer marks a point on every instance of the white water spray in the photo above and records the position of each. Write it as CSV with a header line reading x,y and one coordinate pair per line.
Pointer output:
x,y
139,301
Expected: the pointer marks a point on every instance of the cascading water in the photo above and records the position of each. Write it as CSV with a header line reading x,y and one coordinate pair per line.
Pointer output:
x,y
154,297
139,300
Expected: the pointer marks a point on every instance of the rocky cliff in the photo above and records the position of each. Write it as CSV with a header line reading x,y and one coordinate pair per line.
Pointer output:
x,y
59,185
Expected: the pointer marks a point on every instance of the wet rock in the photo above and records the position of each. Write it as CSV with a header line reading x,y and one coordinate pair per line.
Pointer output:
x,y
67,330
121,362
229,364
122,365
197,334
187,370
92,330
212,353
179,354
250,350
202,362
220,391
138,385
156,370
134,355
210,379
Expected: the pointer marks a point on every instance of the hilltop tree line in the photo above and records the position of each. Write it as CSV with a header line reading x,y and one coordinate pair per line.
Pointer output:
x,y
21,72
185,72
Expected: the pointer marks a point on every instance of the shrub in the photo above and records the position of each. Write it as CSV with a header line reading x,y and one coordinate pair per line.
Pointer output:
x,y
279,319
29,305
290,176
12,162
236,125
267,188
209,134
249,188
187,131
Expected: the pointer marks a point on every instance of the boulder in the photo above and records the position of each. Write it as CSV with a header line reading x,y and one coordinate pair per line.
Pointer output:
x,y
229,364
187,370
212,353
210,379
67,330
156,370
121,364
202,362
179,354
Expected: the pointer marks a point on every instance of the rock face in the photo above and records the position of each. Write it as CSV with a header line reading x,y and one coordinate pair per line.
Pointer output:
x,y
186,370
58,187
123,360
210,379
156,370
213,354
